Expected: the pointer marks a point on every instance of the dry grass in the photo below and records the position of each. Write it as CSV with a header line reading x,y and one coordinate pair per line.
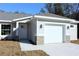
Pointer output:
x,y
75,41
9,48
12,48
10,44
34,53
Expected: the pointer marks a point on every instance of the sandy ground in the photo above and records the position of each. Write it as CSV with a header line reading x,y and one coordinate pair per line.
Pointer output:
x,y
12,48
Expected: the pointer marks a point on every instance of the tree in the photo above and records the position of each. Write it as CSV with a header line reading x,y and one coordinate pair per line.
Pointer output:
x,y
54,8
76,14
42,10
70,10
49,8
58,9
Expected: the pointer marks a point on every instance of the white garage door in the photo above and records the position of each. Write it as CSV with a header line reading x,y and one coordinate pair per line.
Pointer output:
x,y
53,34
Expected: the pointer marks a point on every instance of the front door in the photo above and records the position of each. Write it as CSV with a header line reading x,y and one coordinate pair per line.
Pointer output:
x,y
22,31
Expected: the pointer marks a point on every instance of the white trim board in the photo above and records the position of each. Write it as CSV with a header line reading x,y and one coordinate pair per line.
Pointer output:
x,y
5,21
18,19
57,18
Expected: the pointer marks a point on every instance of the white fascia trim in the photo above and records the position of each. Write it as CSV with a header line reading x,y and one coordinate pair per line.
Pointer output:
x,y
62,19
24,21
5,21
76,22
18,19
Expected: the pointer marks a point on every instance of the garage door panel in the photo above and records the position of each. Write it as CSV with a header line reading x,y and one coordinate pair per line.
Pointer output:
x,y
53,34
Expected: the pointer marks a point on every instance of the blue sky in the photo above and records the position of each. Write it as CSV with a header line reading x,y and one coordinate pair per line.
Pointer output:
x,y
31,8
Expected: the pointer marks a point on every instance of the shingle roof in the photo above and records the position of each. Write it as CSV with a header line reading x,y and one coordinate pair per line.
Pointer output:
x,y
52,15
11,16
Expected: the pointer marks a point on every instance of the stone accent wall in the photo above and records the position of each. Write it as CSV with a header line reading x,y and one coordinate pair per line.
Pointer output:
x,y
39,40
67,38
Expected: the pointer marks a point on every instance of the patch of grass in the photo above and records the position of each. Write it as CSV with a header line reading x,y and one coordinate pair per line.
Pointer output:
x,y
34,53
10,44
12,48
9,48
75,41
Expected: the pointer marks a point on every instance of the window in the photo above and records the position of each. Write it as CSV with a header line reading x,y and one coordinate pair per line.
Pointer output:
x,y
5,29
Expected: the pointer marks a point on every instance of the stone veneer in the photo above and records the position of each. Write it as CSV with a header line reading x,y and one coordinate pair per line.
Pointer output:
x,y
39,40
67,39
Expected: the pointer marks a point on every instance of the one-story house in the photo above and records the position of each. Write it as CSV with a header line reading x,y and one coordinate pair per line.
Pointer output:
x,y
40,29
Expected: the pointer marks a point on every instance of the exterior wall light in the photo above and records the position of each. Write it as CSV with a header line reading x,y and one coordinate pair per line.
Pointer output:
x,y
67,27
41,26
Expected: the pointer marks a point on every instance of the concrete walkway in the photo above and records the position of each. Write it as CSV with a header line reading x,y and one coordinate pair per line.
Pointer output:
x,y
58,49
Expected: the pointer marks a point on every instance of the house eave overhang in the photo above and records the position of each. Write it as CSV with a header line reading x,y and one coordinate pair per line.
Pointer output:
x,y
18,19
57,18
21,19
24,21
5,21
43,17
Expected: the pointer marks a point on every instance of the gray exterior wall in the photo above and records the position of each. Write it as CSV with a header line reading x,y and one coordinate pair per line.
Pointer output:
x,y
33,30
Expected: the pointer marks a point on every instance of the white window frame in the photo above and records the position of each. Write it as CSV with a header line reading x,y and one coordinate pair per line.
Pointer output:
x,y
5,29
